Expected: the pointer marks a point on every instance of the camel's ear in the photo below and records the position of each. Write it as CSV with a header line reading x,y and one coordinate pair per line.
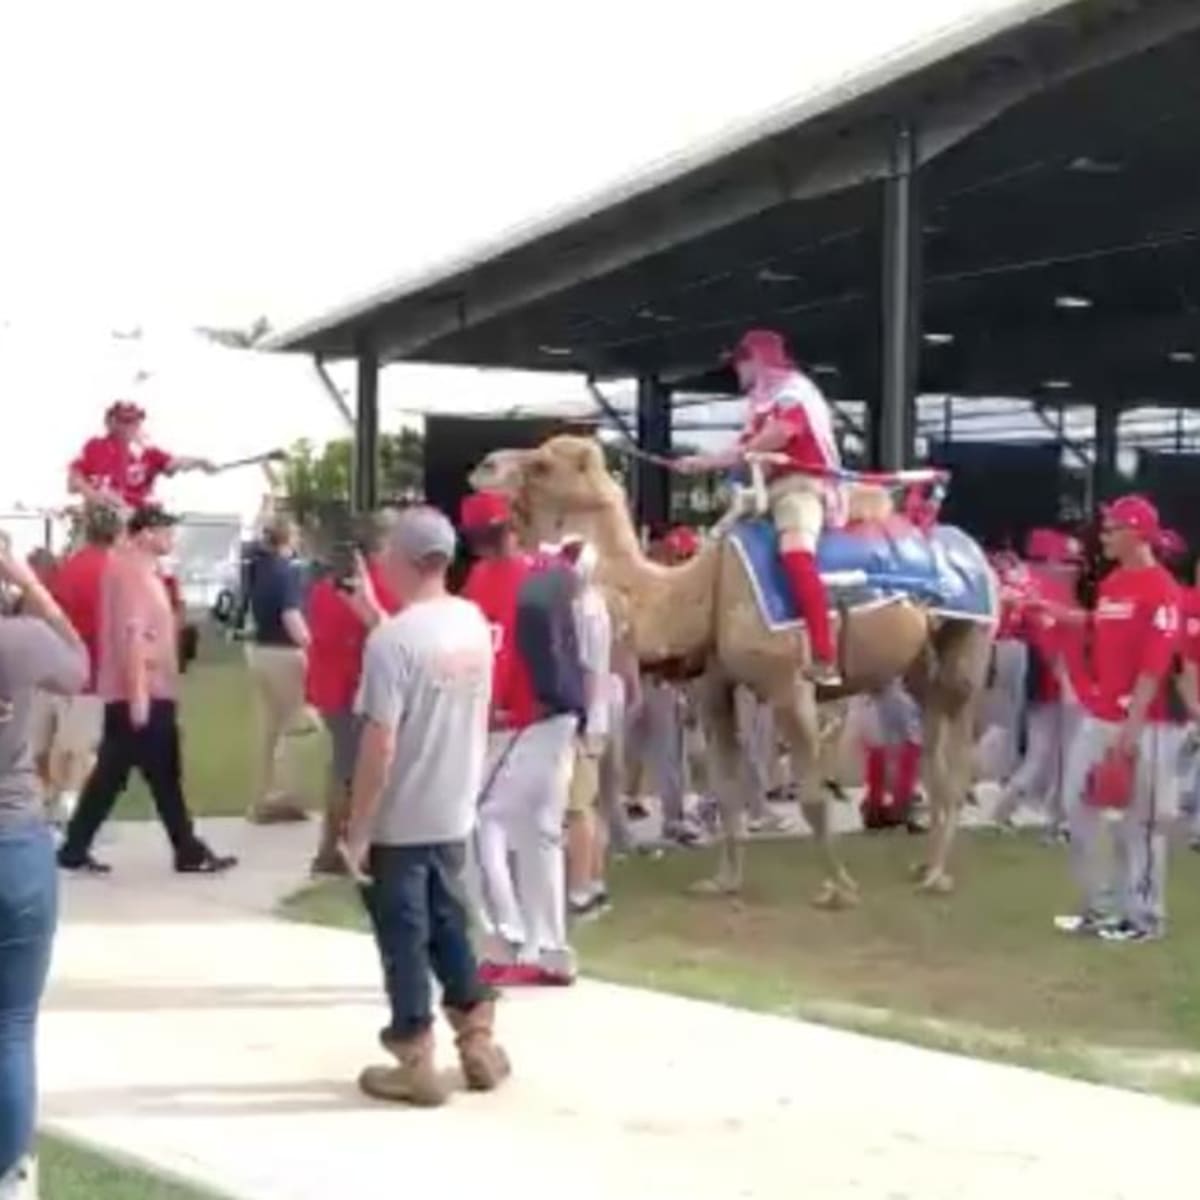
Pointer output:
x,y
588,457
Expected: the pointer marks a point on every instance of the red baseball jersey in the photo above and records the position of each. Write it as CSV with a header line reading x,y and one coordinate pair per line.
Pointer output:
x,y
494,584
77,586
1137,630
798,403
129,470
1190,604
1049,638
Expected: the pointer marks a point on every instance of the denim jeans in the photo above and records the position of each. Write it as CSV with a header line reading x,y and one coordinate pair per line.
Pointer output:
x,y
418,909
28,915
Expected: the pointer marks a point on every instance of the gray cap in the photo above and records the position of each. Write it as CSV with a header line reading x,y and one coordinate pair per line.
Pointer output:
x,y
420,533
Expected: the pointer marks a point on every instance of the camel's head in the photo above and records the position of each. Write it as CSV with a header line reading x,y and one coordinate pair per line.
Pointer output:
x,y
553,487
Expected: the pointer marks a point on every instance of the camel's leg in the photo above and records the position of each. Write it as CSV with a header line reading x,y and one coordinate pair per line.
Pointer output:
x,y
935,738
719,717
796,723
955,771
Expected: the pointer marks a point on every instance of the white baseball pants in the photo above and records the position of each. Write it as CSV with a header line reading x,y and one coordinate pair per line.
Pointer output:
x,y
522,813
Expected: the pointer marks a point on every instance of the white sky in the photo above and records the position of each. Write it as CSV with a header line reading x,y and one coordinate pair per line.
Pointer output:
x,y
173,163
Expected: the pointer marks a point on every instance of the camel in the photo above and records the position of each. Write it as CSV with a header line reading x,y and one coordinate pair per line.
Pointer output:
x,y
703,615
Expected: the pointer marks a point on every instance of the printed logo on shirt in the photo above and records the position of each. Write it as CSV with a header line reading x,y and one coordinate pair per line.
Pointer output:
x,y
1166,619
1114,610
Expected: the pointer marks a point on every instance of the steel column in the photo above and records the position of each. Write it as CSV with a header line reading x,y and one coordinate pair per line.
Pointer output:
x,y
365,472
1104,473
900,304
652,483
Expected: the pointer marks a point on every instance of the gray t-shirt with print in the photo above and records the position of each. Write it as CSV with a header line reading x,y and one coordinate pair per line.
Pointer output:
x,y
427,674
32,656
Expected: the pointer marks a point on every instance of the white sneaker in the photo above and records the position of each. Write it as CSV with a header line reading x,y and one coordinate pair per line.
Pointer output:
x,y
21,1182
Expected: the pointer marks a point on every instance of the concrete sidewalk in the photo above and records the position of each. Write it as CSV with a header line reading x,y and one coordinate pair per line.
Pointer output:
x,y
189,1029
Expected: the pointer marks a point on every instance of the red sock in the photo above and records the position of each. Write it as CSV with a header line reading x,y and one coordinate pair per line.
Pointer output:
x,y
809,594
876,777
908,771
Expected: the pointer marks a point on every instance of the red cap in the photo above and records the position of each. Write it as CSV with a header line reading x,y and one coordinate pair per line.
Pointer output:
x,y
681,542
481,509
1135,513
765,347
1052,546
124,410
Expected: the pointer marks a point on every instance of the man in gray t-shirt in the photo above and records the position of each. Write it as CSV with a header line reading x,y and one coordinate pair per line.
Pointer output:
x,y
424,700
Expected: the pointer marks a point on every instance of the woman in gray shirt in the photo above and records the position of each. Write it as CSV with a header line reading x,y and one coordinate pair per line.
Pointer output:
x,y
37,650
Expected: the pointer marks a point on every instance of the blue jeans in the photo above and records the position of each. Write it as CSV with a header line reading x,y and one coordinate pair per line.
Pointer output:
x,y
418,909
28,915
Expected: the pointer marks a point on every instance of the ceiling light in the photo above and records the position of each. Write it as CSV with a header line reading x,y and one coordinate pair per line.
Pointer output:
x,y
824,369
1182,356
1072,302
556,351
770,275
939,339
1087,165
1056,385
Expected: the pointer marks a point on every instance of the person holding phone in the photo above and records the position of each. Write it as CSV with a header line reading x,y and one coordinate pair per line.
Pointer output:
x,y
39,651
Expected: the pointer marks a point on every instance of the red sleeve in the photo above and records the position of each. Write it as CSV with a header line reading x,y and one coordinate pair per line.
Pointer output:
x,y
85,461
157,461
1191,628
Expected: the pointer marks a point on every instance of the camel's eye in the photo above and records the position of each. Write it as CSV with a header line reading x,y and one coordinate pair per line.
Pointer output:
x,y
539,467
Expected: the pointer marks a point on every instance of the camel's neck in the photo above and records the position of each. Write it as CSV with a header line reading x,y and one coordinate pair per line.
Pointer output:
x,y
651,592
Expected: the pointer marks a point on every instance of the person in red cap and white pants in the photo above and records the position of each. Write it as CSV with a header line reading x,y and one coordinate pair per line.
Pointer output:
x,y
120,469
1053,713
789,417
1136,639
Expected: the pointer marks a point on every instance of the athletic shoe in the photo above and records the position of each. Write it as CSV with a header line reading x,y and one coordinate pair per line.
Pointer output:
x,y
682,833
1058,836
502,975
1082,924
205,862
83,864
601,904
582,910
551,977
1127,931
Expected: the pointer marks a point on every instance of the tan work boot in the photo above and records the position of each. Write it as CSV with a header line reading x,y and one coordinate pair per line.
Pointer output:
x,y
484,1064
414,1080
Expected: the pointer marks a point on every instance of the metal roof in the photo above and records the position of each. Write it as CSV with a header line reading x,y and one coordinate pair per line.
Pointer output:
x,y
1060,186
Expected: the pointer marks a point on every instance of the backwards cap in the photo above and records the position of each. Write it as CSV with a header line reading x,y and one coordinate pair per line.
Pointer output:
x,y
482,509
765,347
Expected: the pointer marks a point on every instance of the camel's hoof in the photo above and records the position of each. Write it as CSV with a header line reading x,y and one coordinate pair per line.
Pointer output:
x,y
846,882
714,887
918,871
936,884
833,898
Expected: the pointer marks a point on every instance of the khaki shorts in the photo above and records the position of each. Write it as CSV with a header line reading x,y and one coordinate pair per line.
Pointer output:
x,y
798,508
66,724
585,781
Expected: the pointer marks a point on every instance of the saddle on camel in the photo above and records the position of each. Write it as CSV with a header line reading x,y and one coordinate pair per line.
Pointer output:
x,y
909,603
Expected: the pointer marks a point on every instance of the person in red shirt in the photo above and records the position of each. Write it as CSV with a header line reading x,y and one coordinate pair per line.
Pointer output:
x,y
1051,578
788,417
341,613
493,583
68,728
1127,692
1190,691
120,469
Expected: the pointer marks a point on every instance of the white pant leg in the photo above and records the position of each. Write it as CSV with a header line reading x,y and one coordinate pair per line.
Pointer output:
x,y
1091,744
501,802
1068,717
1141,834
541,763
1032,778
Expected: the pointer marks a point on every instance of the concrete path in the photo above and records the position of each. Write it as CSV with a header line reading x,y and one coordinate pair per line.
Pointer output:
x,y
187,1028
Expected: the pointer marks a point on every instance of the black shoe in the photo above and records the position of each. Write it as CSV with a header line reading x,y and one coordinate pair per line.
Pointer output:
x,y
1083,924
83,864
1127,931
205,862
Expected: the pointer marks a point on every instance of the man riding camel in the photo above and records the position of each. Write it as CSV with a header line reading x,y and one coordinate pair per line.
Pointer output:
x,y
789,417
120,469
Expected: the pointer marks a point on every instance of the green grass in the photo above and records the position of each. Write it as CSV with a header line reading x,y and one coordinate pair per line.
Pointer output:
x,y
981,972
220,739
69,1172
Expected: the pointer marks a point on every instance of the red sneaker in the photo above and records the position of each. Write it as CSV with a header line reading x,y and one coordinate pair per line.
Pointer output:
x,y
502,975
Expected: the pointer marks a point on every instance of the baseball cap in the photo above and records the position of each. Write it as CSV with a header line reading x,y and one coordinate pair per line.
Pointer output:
x,y
1052,546
765,346
151,516
1135,513
421,532
481,509
125,410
